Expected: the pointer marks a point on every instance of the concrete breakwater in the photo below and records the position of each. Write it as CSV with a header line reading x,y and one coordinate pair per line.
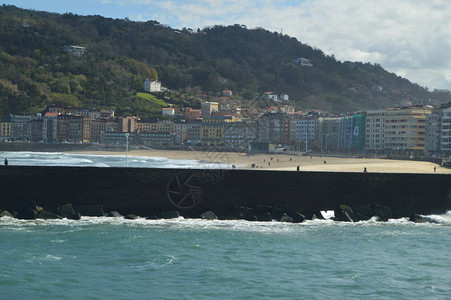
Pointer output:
x,y
227,193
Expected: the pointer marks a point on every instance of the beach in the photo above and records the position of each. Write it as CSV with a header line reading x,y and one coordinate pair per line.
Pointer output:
x,y
284,162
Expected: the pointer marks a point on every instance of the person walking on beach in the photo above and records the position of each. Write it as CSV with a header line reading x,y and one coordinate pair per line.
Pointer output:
x,y
435,169
298,168
6,162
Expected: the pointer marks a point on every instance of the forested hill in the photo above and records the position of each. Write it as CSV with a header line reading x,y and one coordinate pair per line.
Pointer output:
x,y
36,71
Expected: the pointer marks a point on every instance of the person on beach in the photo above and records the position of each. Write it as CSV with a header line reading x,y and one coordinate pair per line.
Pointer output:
x,y
297,169
364,170
435,169
6,162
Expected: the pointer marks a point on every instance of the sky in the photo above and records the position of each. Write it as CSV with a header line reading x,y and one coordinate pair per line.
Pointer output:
x,y
411,38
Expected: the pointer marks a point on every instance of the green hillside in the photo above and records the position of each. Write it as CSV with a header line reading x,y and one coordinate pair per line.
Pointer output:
x,y
35,71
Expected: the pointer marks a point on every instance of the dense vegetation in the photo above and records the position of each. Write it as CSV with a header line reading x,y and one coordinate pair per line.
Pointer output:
x,y
35,70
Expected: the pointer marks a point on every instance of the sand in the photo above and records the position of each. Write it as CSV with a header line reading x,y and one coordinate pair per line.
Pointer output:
x,y
287,162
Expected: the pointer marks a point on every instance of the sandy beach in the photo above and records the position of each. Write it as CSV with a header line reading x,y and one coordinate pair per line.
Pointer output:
x,y
287,162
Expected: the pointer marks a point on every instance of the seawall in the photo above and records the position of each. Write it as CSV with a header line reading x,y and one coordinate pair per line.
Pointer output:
x,y
149,191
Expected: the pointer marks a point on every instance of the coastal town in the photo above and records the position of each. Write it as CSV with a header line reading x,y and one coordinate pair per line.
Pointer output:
x,y
271,124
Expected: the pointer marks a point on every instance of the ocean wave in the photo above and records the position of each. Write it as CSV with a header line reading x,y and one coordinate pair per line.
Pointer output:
x,y
200,224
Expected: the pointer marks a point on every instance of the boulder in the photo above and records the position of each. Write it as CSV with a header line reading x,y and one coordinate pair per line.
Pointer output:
x,y
286,218
152,217
6,213
44,214
276,213
260,209
296,216
28,214
234,215
266,216
421,219
343,213
382,212
131,217
67,211
170,214
114,214
209,215
362,212
91,210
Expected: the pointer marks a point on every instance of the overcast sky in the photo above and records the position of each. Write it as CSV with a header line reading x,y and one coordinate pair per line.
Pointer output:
x,y
411,38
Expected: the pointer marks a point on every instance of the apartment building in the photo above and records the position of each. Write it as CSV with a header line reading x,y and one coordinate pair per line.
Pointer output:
x,y
405,129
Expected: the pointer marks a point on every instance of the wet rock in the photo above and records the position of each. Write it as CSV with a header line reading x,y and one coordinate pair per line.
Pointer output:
x,y
28,214
421,219
264,217
209,215
259,209
343,213
67,211
131,217
6,213
296,216
276,213
114,214
382,212
91,210
47,215
362,212
170,214
234,215
152,217
286,218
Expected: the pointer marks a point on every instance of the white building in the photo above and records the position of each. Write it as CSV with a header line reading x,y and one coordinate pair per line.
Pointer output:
x,y
438,131
270,96
75,50
284,97
374,130
152,86
306,130
207,108
168,111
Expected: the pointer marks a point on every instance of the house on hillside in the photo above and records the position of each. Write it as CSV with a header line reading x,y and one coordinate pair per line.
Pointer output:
x,y
152,86
303,62
75,50
284,97
168,111
269,96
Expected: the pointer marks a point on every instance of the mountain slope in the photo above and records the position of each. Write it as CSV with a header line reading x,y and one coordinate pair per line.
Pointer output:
x,y
35,70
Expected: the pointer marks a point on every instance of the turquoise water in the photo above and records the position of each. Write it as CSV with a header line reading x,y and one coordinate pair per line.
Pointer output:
x,y
106,258
113,258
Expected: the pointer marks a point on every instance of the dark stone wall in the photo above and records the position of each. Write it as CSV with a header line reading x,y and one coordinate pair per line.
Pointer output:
x,y
146,192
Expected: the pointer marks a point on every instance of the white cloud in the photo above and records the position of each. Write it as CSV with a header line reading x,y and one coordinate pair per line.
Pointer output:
x,y
411,37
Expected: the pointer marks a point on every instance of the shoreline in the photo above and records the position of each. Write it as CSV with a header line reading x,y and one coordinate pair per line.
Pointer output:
x,y
282,162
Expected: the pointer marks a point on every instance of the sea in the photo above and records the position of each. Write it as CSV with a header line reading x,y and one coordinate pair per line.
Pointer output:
x,y
115,258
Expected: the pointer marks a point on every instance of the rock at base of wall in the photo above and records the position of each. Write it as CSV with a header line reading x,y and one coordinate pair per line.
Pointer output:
x,y
6,213
44,214
28,214
114,214
343,213
296,216
209,215
276,213
170,214
362,212
285,218
383,213
67,211
131,217
264,217
421,219
91,210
